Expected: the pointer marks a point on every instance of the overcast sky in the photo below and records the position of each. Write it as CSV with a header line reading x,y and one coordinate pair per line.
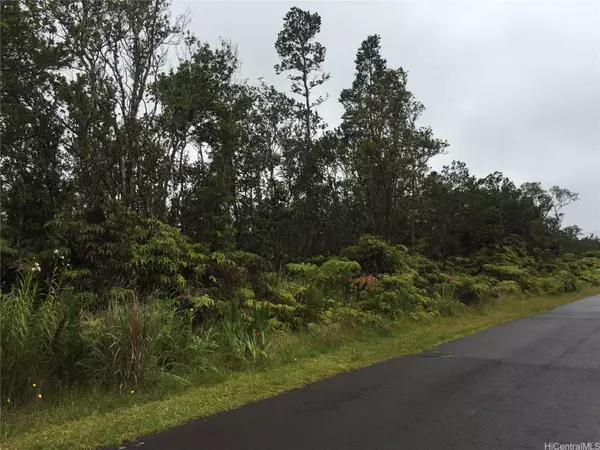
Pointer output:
x,y
512,86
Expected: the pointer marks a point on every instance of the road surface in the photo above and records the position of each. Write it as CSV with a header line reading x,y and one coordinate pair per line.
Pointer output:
x,y
520,385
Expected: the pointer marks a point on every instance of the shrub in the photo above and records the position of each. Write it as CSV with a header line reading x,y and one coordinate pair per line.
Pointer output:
x,y
507,287
336,271
8,260
568,280
395,295
582,286
445,306
110,321
504,272
318,260
427,273
372,254
538,285
587,269
253,264
365,282
471,289
123,249
222,276
305,269
49,340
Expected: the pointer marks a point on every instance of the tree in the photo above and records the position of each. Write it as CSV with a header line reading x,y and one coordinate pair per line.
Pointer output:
x,y
561,198
387,153
118,49
303,56
32,161
204,112
266,173
231,164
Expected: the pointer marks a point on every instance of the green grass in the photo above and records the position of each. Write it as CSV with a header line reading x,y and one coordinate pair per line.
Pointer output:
x,y
90,420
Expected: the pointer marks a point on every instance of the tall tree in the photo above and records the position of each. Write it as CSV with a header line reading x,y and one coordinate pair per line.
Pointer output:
x,y
560,198
267,172
33,166
204,112
388,153
303,57
301,54
118,47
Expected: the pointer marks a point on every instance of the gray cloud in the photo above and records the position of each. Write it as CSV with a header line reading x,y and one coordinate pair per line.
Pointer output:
x,y
513,87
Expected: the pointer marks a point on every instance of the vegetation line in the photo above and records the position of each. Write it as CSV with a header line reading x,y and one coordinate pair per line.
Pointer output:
x,y
116,426
176,241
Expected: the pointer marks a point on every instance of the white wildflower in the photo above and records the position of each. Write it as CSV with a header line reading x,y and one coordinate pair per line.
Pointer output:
x,y
56,252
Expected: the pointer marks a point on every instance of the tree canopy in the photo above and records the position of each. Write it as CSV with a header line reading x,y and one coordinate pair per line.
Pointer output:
x,y
95,125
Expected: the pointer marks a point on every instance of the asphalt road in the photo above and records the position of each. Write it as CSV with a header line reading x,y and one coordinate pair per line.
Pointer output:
x,y
519,385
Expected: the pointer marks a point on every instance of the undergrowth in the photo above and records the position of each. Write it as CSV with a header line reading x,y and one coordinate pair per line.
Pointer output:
x,y
232,311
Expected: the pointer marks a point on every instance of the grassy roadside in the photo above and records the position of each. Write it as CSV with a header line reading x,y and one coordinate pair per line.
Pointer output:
x,y
55,429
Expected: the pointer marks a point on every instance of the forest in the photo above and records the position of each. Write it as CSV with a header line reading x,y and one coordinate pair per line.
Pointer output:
x,y
161,219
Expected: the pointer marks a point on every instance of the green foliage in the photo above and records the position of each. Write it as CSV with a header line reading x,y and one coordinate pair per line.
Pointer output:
x,y
508,287
395,295
8,256
127,341
586,269
338,270
29,333
254,265
343,317
132,342
372,254
542,285
221,196
125,251
504,272
204,301
237,345
304,269
446,305
471,289
379,133
47,340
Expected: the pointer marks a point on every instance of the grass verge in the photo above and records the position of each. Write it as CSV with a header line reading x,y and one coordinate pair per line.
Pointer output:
x,y
80,425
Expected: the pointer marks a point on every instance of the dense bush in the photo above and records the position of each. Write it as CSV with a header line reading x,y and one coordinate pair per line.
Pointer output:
x,y
124,250
123,304
373,254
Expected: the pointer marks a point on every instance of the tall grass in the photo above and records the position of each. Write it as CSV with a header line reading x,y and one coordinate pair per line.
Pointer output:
x,y
136,342
238,346
47,343
447,302
29,336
